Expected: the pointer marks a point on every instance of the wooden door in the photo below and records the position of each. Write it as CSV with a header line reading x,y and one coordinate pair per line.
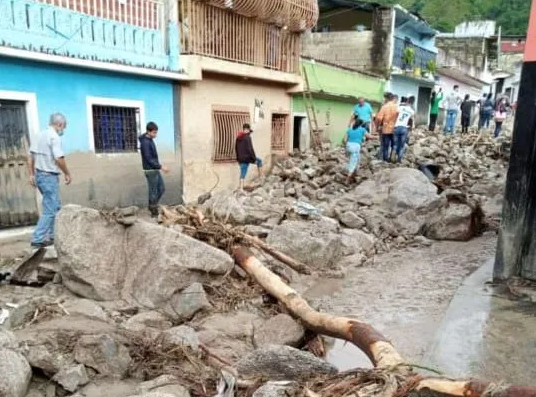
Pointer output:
x,y
18,206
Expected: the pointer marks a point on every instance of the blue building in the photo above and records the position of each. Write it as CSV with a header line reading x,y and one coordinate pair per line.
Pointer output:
x,y
110,66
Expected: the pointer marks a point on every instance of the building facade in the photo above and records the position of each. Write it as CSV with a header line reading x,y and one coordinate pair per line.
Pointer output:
x,y
387,41
334,90
244,65
110,67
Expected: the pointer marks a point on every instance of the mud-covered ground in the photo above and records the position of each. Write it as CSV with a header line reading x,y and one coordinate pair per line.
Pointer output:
x,y
405,295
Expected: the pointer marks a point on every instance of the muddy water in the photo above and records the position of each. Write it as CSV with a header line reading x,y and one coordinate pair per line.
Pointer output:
x,y
405,295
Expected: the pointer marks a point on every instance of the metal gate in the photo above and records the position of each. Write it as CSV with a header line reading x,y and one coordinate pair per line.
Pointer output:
x,y
18,204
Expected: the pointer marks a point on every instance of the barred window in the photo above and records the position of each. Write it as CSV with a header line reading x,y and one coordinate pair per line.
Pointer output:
x,y
227,121
279,131
115,129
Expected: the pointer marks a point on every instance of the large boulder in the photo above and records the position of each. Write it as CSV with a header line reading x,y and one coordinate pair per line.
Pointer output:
x,y
283,363
455,222
315,246
144,264
409,189
91,252
279,330
15,374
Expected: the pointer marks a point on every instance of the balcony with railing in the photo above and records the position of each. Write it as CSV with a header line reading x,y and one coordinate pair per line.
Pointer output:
x,y
128,32
262,33
422,55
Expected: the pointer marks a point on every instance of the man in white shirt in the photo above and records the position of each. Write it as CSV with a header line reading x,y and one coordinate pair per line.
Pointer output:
x,y
405,114
47,161
452,102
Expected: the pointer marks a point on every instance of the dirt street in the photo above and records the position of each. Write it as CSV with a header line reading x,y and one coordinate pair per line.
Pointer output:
x,y
405,295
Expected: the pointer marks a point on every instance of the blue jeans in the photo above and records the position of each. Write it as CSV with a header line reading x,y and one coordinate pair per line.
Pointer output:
x,y
244,168
387,142
353,148
155,182
400,135
498,128
450,123
48,185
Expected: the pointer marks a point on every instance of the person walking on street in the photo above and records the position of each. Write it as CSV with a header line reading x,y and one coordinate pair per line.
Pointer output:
x,y
378,128
453,102
245,154
405,114
486,110
47,162
434,109
362,111
387,117
152,167
501,112
353,140
466,108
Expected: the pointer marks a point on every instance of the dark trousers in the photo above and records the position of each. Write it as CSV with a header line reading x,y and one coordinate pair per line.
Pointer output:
x,y
485,118
433,122
156,186
498,128
387,143
466,121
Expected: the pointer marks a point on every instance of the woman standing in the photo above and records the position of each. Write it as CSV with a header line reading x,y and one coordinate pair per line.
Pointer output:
x,y
467,108
353,139
500,115
434,109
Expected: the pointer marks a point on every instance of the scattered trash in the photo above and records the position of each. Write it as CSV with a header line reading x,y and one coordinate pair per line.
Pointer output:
x,y
227,385
4,315
306,209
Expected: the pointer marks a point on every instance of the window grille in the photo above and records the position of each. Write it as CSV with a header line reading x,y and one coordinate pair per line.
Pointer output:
x,y
226,124
279,132
115,129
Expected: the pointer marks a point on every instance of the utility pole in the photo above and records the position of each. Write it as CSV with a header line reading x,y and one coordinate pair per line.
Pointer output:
x,y
516,250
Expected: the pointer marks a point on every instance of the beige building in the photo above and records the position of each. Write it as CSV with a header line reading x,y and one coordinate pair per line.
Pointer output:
x,y
244,66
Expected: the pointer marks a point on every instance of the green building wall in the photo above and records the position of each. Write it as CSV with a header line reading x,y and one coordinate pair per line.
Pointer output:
x,y
335,91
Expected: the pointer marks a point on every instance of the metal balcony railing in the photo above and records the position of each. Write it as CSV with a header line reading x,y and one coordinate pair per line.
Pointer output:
x,y
422,56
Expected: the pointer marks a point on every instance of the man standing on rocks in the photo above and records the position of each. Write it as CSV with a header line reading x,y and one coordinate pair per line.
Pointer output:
x,y
152,167
453,102
387,117
245,154
362,111
378,125
405,114
47,161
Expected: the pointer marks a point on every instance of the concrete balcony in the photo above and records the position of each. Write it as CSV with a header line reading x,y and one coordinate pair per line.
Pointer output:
x,y
43,28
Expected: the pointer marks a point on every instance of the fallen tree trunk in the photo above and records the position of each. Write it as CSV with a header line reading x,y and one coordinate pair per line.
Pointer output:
x,y
376,346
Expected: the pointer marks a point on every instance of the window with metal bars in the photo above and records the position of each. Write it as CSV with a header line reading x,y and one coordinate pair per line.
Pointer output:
x,y
227,121
279,132
115,129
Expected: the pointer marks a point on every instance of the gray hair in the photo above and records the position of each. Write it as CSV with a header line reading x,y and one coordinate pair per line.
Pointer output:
x,y
57,119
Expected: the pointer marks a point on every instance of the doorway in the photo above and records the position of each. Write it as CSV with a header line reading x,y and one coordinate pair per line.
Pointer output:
x,y
18,205
297,132
423,106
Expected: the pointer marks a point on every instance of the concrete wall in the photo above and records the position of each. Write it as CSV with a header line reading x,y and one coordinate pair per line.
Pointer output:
x,y
406,86
99,180
345,20
350,49
332,115
201,174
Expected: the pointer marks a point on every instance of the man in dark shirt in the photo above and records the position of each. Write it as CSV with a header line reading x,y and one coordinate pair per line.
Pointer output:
x,y
245,154
152,167
466,108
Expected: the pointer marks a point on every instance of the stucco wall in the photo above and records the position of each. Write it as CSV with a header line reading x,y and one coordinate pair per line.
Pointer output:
x,y
98,180
201,174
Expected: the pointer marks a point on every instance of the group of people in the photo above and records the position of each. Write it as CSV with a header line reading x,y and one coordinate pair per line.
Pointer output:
x,y
454,103
391,126
47,163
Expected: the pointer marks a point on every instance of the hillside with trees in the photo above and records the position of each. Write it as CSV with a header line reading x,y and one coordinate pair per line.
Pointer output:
x,y
444,15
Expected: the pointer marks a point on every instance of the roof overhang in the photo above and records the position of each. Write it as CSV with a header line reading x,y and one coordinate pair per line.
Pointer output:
x,y
404,17
462,77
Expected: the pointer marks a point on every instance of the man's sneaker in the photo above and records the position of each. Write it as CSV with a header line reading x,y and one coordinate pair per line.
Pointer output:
x,y
42,244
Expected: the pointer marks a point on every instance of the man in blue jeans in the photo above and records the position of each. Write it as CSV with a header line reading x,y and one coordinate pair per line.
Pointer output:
x,y
245,154
152,167
47,161
453,102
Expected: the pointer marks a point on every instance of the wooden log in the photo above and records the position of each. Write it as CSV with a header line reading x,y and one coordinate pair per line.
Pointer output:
x,y
380,351
374,344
